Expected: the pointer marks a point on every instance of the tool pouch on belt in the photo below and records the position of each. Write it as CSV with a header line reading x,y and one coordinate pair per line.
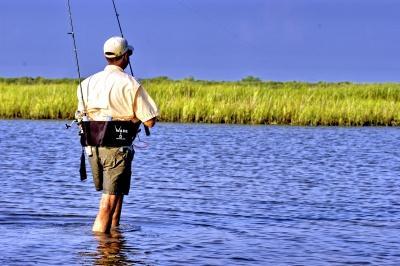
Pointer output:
x,y
108,133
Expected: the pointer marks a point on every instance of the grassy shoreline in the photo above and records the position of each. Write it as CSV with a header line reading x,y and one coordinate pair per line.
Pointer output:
x,y
249,101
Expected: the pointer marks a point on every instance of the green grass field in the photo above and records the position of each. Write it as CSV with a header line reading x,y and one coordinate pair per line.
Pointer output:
x,y
249,101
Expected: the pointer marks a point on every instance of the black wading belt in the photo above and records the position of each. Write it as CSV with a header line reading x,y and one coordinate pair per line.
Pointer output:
x,y
108,133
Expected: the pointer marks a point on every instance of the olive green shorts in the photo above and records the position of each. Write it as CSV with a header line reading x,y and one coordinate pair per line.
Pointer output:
x,y
111,169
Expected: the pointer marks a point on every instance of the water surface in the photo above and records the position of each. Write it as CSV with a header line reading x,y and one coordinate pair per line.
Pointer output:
x,y
207,195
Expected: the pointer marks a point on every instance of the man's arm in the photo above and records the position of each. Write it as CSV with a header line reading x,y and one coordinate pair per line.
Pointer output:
x,y
145,108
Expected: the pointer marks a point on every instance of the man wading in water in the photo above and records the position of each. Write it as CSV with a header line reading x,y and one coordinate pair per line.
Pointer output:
x,y
114,96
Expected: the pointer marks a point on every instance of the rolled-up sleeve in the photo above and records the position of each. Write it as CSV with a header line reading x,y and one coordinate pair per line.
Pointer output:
x,y
144,106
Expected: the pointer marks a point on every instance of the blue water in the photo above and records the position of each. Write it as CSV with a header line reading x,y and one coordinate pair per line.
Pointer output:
x,y
207,195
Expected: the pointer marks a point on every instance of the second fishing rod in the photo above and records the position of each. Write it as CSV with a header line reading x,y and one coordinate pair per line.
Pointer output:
x,y
146,129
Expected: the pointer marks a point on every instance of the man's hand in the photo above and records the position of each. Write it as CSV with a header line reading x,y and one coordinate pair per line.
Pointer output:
x,y
150,123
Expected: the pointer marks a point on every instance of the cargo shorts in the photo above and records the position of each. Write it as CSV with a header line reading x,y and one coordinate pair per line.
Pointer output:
x,y
111,169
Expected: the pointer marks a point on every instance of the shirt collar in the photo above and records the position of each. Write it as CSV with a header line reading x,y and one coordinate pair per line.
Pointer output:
x,y
113,68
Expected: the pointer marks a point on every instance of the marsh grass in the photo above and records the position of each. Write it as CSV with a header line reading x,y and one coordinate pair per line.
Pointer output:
x,y
37,98
249,101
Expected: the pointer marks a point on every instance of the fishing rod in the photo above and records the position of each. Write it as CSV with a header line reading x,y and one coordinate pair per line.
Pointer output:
x,y
120,30
82,168
72,33
146,129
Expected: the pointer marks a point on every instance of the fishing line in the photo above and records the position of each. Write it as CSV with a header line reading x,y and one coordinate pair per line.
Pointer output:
x,y
143,145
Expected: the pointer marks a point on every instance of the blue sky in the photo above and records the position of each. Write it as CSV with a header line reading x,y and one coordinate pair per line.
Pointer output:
x,y
303,40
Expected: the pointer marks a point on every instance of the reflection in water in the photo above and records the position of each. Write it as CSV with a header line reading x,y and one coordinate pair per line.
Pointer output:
x,y
110,249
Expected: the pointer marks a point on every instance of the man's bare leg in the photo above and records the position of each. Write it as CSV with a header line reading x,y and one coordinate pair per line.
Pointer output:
x,y
117,212
104,217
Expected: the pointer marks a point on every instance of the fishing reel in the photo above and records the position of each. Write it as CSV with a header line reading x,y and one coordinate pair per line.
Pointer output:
x,y
67,126
79,117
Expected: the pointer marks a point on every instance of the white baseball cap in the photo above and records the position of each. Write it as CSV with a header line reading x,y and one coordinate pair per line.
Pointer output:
x,y
116,46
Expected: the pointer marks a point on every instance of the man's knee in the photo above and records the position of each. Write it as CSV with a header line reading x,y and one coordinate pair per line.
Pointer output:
x,y
108,203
